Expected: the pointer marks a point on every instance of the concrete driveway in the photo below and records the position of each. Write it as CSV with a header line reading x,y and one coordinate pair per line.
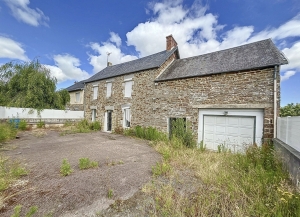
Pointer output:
x,y
124,167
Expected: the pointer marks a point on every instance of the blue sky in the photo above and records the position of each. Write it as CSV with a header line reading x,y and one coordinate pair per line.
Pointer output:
x,y
71,38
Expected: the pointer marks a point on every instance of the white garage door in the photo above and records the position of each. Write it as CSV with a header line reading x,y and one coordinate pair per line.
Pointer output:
x,y
234,132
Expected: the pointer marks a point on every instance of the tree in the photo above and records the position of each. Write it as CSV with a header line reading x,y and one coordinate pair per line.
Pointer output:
x,y
290,110
30,85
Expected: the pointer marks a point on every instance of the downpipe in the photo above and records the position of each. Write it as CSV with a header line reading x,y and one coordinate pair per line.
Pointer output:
x,y
275,102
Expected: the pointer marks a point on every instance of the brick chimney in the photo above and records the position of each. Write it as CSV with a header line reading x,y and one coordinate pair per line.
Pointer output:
x,y
171,42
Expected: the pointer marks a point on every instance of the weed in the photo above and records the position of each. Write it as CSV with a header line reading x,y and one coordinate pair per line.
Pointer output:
x,y
181,130
40,124
9,172
85,163
65,168
68,123
110,193
202,146
119,130
23,125
18,209
32,210
7,132
161,169
95,125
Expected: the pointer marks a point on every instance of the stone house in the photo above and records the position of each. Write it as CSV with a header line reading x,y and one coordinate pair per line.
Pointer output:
x,y
76,92
228,97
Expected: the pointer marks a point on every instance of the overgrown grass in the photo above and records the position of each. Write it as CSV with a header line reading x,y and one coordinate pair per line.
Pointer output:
x,y
227,184
17,211
22,125
86,163
7,131
83,126
9,172
193,181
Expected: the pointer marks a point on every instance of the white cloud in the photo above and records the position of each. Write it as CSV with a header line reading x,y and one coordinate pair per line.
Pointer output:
x,y
67,68
22,12
99,59
11,49
286,75
293,56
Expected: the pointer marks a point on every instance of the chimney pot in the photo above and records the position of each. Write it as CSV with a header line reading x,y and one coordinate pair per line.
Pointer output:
x,y
109,64
170,42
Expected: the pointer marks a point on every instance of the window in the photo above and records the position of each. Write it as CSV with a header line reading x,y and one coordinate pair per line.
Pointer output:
x,y
126,117
77,99
95,92
93,115
128,88
108,89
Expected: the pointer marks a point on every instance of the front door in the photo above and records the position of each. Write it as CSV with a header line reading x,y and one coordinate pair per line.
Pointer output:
x,y
109,113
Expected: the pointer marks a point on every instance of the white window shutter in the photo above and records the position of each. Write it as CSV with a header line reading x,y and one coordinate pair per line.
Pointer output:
x,y
128,88
108,89
95,95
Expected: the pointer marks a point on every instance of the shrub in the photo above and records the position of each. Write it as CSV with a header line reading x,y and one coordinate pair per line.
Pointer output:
x,y
40,124
95,125
65,168
181,130
7,131
23,125
85,163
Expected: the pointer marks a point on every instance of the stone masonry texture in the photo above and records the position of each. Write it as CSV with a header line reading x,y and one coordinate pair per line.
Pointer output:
x,y
153,103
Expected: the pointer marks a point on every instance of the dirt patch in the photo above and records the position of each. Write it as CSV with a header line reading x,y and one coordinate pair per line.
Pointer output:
x,y
124,167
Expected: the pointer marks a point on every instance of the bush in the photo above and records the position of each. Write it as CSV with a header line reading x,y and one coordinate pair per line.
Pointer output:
x,y
65,168
85,163
182,131
40,124
7,131
23,125
95,125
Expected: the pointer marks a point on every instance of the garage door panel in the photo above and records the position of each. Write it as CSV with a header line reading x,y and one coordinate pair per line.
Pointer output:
x,y
220,120
220,129
232,121
232,131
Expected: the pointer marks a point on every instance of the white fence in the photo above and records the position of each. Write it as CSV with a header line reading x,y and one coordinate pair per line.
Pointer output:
x,y
288,131
51,114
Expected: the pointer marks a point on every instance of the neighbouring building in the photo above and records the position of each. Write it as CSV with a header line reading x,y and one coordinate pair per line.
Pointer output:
x,y
76,92
229,97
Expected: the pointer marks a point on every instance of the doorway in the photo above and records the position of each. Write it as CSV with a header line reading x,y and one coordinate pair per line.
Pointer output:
x,y
109,118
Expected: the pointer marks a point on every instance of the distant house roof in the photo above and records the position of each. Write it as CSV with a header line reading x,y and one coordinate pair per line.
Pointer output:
x,y
77,86
148,62
250,56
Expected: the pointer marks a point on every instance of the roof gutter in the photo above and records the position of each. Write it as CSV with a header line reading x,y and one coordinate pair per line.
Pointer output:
x,y
275,102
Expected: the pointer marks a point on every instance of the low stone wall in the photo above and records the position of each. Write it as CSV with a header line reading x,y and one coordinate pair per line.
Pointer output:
x,y
290,158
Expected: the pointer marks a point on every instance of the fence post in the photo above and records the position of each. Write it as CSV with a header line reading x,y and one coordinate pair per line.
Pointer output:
x,y
287,130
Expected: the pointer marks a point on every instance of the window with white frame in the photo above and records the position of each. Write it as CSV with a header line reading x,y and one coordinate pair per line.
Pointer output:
x,y
128,88
108,89
126,117
95,92
77,97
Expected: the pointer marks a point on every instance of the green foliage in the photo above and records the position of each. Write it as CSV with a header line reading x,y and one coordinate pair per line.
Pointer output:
x,y
290,110
202,146
7,131
65,168
181,130
86,163
161,169
40,124
32,210
22,125
148,133
110,193
18,209
95,125
30,85
9,172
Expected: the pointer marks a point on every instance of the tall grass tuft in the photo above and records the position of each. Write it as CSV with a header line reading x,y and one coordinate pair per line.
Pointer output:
x,y
148,133
7,131
181,130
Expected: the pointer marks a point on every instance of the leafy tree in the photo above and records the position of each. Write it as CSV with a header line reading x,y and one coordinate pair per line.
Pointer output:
x,y
290,110
30,85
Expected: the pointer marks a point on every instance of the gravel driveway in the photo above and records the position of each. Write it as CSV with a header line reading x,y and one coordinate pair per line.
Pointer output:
x,y
124,166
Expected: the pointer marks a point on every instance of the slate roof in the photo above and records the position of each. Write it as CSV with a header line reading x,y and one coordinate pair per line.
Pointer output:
x,y
148,62
250,56
77,86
